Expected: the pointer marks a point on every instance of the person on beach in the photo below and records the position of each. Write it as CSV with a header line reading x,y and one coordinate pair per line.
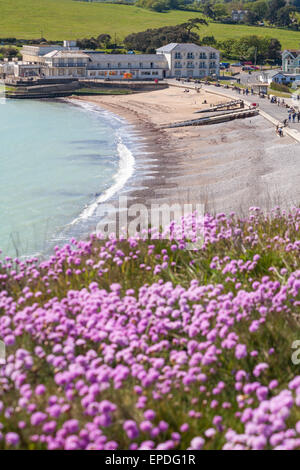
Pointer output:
x,y
279,130
298,116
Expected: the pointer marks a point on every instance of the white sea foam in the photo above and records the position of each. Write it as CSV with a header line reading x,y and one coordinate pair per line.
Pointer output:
x,y
126,160
125,171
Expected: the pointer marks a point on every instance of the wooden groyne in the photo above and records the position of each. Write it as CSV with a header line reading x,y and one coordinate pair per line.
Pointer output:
x,y
219,107
241,114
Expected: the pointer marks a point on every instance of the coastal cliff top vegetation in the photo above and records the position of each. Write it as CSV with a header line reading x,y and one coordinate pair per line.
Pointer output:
x,y
61,19
145,344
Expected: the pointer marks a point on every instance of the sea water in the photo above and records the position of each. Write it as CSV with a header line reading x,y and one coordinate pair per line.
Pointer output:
x,y
58,161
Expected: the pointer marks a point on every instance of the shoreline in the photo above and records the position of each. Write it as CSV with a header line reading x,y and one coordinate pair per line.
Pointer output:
x,y
225,167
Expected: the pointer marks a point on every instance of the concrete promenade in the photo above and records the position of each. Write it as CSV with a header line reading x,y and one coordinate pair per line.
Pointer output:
x,y
270,111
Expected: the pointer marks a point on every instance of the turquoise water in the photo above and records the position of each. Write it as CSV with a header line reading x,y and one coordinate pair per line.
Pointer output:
x,y
56,161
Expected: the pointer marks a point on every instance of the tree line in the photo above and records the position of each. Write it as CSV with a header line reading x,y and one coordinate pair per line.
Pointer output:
x,y
250,47
281,13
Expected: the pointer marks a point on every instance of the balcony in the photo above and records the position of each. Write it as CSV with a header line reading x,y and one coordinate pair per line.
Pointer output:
x,y
122,67
66,64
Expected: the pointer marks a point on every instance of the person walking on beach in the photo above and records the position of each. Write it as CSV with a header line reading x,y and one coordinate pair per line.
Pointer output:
x,y
294,116
290,117
298,116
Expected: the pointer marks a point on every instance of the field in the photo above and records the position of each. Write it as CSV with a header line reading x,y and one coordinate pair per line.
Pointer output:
x,y
61,19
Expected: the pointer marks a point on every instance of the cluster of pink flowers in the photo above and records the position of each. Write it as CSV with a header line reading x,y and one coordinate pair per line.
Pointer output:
x,y
156,362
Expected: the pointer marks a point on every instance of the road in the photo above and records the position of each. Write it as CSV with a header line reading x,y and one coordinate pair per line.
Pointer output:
x,y
280,113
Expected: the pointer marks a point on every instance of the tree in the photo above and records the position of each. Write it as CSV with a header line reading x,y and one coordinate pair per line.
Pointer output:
x,y
219,11
104,39
208,41
283,17
260,8
227,47
251,17
273,8
208,11
274,50
152,39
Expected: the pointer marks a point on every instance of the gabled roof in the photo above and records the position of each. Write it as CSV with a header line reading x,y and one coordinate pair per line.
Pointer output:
x,y
182,46
293,52
67,54
168,47
272,73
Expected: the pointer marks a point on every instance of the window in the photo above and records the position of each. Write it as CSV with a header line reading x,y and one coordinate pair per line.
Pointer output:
x,y
202,55
177,55
190,55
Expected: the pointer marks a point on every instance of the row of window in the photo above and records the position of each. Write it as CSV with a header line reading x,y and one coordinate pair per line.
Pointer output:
x,y
191,55
103,73
71,63
202,65
129,65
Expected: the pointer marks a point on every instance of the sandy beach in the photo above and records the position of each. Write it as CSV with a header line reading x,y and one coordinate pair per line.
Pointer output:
x,y
227,167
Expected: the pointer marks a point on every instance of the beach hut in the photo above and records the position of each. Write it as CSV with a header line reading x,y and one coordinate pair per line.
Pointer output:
x,y
260,88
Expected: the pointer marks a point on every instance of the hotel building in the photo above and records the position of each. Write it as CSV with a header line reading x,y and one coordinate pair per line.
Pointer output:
x,y
171,61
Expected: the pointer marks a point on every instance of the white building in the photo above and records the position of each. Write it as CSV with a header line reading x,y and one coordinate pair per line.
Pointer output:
x,y
190,60
116,66
65,64
172,60
19,69
291,61
279,77
238,15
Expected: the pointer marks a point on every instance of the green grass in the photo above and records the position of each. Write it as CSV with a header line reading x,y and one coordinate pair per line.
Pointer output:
x,y
280,94
61,19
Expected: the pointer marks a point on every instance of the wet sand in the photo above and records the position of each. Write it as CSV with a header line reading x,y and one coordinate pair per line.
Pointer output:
x,y
226,167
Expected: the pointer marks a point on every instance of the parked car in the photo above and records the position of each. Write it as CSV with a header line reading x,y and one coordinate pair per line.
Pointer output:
x,y
237,64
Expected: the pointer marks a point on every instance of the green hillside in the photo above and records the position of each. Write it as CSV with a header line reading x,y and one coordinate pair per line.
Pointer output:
x,y
59,19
